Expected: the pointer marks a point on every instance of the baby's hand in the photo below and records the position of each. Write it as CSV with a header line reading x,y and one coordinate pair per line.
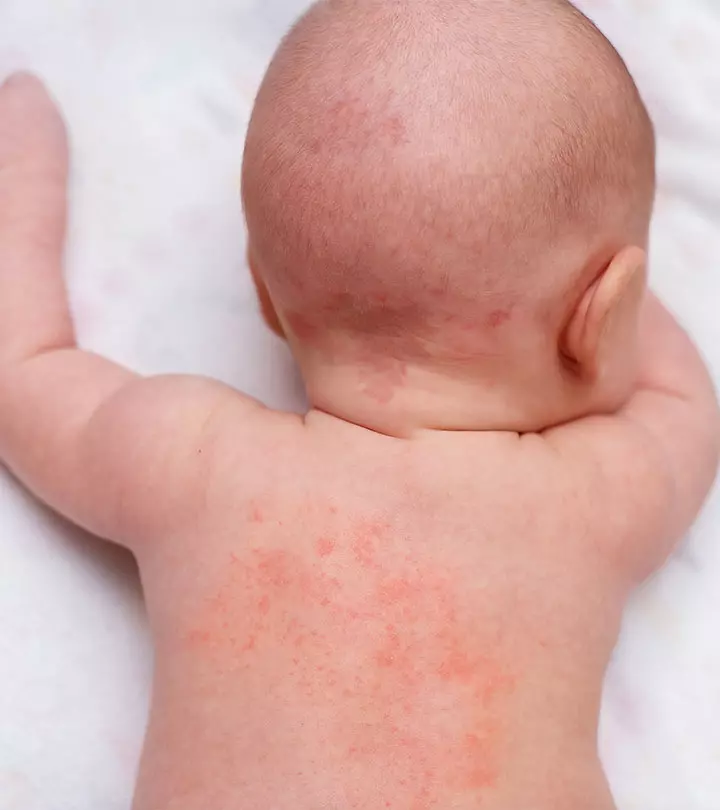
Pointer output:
x,y
123,456
33,177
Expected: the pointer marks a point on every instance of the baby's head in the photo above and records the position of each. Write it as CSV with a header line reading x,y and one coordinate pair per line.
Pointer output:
x,y
448,205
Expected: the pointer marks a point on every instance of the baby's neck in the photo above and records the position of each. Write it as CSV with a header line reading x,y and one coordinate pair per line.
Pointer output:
x,y
400,399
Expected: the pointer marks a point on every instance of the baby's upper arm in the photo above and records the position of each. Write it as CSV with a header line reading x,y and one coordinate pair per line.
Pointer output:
x,y
156,442
676,407
655,461
125,457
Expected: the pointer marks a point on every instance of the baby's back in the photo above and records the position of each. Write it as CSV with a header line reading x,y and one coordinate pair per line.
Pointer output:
x,y
382,623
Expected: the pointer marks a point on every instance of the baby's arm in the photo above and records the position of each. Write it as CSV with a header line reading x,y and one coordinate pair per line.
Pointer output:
x,y
677,405
659,455
115,453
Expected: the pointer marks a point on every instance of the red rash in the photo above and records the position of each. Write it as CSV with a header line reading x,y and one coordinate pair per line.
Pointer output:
x,y
498,317
350,124
325,546
380,378
302,327
364,540
372,647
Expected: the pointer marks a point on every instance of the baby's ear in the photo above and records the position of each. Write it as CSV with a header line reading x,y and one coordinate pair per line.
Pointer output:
x,y
603,328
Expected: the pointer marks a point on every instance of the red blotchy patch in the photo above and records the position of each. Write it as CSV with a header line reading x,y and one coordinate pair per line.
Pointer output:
x,y
243,612
364,550
427,651
392,592
393,652
302,327
498,317
393,129
407,677
381,377
478,754
364,542
325,546
352,124
273,568
457,666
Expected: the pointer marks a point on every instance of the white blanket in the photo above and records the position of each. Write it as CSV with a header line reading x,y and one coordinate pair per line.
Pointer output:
x,y
157,95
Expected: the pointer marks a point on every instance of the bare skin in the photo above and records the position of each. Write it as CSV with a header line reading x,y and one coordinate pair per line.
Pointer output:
x,y
345,619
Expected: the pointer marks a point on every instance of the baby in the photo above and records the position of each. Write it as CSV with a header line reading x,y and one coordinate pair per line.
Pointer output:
x,y
406,598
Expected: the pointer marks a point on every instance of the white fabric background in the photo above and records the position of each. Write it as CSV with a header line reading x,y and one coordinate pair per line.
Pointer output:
x,y
157,94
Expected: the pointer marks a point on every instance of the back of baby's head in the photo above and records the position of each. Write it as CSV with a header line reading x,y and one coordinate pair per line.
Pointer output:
x,y
421,173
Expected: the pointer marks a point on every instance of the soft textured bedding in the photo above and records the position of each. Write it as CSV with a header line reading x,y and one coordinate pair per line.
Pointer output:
x,y
157,95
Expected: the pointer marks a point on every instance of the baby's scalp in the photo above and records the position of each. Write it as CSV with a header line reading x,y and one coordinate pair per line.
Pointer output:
x,y
420,174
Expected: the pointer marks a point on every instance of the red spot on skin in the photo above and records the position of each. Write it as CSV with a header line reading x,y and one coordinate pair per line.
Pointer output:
x,y
325,546
256,515
263,605
498,317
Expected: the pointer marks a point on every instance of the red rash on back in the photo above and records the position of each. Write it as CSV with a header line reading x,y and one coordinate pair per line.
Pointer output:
x,y
325,546
373,647
364,540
